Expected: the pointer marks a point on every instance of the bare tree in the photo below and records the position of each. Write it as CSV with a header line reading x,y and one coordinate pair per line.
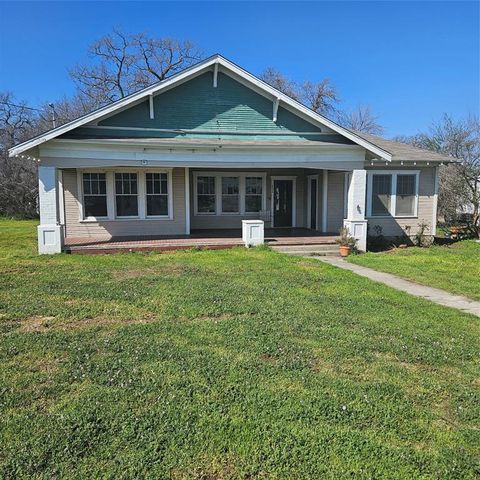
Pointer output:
x,y
122,63
321,97
362,119
279,81
18,180
460,182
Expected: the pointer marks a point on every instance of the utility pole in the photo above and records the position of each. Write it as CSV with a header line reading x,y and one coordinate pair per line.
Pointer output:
x,y
54,118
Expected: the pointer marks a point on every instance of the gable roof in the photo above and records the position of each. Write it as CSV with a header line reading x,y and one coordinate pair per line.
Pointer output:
x,y
405,152
214,62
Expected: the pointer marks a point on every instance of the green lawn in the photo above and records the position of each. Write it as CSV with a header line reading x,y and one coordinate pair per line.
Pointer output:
x,y
455,268
227,364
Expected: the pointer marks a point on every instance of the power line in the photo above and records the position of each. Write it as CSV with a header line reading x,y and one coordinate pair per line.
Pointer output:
x,y
22,106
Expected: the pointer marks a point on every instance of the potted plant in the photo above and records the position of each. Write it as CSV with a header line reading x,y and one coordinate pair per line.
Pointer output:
x,y
346,241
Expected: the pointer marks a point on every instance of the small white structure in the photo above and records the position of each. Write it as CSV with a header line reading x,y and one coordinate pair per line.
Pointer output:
x,y
253,232
50,232
356,222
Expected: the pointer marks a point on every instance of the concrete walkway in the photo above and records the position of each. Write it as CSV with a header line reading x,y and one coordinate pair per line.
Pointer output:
x,y
433,294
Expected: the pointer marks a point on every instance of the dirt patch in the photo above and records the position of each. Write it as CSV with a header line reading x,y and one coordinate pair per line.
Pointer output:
x,y
35,324
215,318
269,359
409,366
40,324
309,266
322,366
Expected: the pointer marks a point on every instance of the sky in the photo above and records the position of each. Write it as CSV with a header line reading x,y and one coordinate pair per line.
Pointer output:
x,y
409,61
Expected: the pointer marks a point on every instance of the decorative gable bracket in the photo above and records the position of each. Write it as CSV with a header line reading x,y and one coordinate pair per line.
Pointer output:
x,y
276,103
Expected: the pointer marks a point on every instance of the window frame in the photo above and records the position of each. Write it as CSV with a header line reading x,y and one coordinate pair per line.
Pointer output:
x,y
82,195
111,194
121,217
262,195
218,192
393,199
233,175
169,194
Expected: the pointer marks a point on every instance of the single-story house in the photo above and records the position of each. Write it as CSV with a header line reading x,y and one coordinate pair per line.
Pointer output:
x,y
212,146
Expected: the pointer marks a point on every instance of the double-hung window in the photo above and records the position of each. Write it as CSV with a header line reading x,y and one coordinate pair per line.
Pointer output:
x,y
94,195
393,194
206,197
230,195
253,194
381,194
126,194
157,194
406,195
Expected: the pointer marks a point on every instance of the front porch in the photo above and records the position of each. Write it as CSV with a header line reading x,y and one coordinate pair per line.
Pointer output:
x,y
203,239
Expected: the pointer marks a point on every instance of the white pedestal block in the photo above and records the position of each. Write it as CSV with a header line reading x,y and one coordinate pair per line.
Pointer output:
x,y
358,230
50,239
253,232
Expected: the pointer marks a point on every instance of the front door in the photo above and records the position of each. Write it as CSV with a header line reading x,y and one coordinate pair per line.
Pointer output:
x,y
282,203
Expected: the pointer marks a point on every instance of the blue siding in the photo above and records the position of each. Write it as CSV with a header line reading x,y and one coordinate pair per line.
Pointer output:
x,y
197,105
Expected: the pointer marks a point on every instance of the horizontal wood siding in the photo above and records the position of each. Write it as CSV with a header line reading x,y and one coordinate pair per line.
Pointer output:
x,y
197,105
335,199
392,227
117,228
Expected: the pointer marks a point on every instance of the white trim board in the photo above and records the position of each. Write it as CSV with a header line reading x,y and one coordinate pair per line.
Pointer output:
x,y
227,67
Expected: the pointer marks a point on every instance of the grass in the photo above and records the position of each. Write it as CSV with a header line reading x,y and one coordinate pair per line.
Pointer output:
x,y
454,268
234,364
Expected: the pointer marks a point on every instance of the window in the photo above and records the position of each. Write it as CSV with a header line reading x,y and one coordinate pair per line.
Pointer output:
x,y
381,194
253,194
230,194
206,198
393,193
157,194
406,188
126,194
94,195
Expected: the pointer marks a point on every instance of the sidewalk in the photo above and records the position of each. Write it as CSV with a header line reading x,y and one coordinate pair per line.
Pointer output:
x,y
433,294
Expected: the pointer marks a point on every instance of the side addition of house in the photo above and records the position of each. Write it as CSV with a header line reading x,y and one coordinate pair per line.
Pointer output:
x,y
212,146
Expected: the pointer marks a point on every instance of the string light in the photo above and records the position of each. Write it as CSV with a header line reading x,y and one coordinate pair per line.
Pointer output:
x,y
28,157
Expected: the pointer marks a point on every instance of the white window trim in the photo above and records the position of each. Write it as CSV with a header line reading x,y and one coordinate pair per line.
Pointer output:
x,y
240,179
169,216
111,204
139,194
393,203
294,198
218,192
80,199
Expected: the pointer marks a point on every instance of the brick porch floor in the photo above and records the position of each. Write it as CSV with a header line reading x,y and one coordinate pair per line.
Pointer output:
x,y
207,239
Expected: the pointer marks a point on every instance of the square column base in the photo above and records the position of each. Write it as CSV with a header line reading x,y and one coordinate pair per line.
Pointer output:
x,y
253,232
358,230
50,239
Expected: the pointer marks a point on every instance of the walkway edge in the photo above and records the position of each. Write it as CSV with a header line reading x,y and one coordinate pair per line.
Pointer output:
x,y
435,295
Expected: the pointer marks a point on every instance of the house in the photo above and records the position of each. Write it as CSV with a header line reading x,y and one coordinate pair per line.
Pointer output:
x,y
213,145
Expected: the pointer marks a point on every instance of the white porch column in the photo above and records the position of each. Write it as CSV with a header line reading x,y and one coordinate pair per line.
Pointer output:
x,y
50,232
355,221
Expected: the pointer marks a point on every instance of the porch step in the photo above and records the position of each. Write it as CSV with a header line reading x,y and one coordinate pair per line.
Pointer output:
x,y
308,250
